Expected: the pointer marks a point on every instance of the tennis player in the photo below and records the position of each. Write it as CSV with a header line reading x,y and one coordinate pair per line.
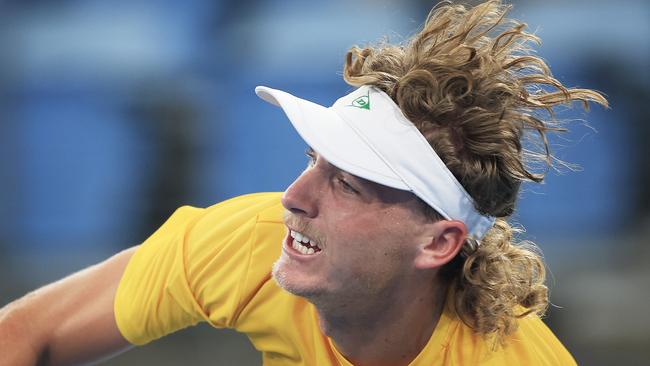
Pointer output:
x,y
391,248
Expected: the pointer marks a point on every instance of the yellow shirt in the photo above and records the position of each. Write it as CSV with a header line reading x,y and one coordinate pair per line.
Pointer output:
x,y
214,265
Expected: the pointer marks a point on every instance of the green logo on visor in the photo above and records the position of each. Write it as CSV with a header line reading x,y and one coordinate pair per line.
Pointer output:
x,y
362,102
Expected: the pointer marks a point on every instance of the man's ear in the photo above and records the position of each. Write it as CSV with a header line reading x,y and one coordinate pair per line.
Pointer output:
x,y
446,240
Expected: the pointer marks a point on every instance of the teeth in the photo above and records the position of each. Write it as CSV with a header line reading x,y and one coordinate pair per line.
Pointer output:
x,y
296,245
300,247
301,243
301,237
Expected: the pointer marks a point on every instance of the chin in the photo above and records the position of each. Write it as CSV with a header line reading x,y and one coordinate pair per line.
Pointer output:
x,y
295,282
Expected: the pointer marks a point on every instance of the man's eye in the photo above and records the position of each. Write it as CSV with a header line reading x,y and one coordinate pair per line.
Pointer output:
x,y
347,186
312,157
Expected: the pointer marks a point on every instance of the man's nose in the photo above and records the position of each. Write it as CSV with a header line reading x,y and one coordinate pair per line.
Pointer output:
x,y
302,196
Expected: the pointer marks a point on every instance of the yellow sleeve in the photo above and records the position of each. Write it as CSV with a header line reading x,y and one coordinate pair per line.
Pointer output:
x,y
189,270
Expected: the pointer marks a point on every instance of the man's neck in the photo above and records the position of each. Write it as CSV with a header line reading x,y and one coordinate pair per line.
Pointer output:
x,y
389,330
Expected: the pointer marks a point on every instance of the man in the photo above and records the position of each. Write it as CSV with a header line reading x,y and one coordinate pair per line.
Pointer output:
x,y
391,248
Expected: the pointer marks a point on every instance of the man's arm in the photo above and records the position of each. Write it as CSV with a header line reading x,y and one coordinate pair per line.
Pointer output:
x,y
69,321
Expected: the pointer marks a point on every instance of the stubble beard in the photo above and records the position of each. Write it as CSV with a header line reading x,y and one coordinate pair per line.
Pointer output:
x,y
283,280
336,308
323,299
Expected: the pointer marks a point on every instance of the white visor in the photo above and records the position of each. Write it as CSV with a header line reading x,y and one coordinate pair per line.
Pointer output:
x,y
366,134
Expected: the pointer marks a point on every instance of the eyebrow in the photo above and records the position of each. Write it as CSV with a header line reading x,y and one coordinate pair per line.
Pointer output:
x,y
310,151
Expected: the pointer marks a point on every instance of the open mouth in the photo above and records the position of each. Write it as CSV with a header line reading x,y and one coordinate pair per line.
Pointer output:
x,y
303,244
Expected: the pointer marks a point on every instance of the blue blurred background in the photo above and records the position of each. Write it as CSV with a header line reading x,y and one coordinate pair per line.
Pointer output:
x,y
112,114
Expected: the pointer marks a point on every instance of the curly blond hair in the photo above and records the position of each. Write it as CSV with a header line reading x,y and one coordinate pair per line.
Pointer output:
x,y
471,84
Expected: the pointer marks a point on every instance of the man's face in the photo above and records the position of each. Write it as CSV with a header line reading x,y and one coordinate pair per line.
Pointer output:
x,y
364,236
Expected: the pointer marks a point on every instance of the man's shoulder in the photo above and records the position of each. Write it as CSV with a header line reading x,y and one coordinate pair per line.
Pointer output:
x,y
264,205
202,264
534,332
249,208
533,343
235,220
